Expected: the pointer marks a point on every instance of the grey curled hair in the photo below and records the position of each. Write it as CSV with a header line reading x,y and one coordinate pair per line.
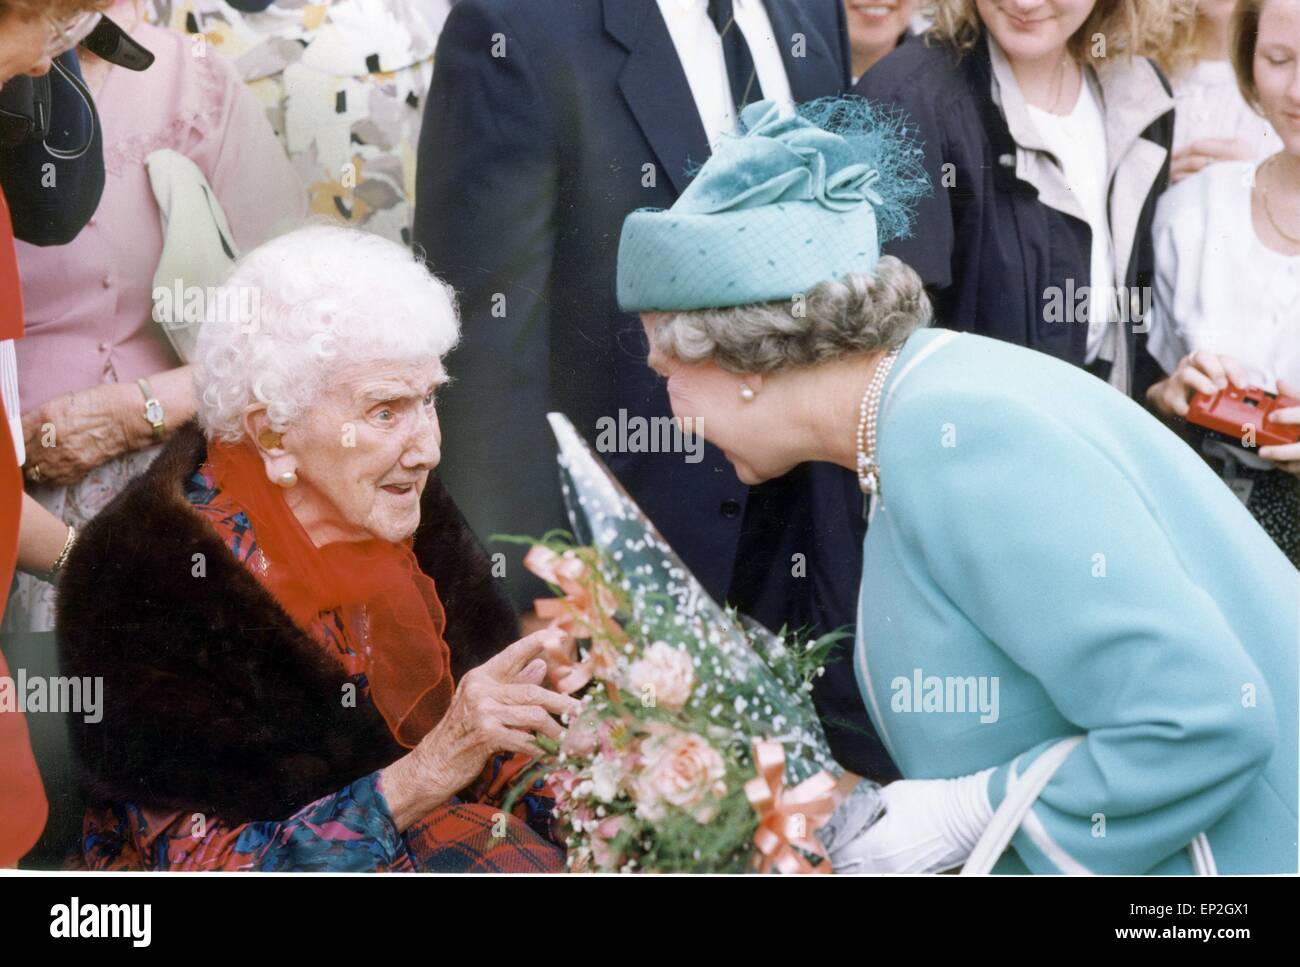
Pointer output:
x,y
859,313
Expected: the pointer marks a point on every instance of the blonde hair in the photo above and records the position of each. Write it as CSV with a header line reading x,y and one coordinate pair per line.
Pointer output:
x,y
1180,53
1129,27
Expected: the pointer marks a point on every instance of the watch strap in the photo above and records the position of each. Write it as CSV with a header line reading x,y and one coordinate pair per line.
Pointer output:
x,y
153,410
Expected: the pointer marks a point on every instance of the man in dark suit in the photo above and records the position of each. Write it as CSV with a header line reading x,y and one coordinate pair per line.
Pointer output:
x,y
548,121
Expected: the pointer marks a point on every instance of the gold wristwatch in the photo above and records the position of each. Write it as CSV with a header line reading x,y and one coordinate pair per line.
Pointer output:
x,y
153,410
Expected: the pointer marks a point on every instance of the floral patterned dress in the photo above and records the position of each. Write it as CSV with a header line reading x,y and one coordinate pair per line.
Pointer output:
x,y
343,83
349,830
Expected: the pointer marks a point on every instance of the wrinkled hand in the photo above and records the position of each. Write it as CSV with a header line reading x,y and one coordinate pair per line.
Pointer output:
x,y
1206,151
71,435
929,825
1287,455
1198,372
498,707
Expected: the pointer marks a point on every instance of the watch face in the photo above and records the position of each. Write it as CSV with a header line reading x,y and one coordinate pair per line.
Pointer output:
x,y
153,411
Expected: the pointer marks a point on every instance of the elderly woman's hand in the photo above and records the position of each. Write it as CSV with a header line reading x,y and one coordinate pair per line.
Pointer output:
x,y
71,435
498,707
1198,372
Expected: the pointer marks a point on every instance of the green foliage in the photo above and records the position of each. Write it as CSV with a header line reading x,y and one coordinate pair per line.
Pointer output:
x,y
725,844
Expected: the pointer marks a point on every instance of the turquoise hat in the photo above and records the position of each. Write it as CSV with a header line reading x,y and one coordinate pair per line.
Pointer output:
x,y
784,204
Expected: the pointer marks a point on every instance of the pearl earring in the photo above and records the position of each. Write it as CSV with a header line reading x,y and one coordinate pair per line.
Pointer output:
x,y
746,393
287,479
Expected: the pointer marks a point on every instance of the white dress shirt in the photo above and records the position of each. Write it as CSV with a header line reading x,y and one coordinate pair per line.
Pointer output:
x,y
9,392
699,49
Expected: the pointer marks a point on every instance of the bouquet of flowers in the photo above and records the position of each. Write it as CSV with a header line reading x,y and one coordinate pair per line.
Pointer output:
x,y
697,747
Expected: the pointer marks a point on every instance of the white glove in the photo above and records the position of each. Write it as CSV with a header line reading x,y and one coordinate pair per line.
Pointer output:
x,y
929,825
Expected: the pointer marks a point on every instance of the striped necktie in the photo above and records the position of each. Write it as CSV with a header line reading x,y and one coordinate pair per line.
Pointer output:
x,y
745,86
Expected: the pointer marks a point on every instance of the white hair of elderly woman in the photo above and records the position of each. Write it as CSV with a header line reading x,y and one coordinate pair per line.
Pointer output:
x,y
296,308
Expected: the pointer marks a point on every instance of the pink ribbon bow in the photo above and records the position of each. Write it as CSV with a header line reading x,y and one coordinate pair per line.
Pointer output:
x,y
787,817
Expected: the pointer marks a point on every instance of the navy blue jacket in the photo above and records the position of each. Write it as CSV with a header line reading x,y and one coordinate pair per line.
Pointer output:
x,y
54,185
986,247
529,162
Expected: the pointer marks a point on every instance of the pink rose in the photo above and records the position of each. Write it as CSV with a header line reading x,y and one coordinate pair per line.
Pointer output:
x,y
678,769
607,829
580,817
662,675
580,739
562,783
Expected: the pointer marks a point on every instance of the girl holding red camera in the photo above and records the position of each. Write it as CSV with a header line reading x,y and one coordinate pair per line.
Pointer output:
x,y
1228,275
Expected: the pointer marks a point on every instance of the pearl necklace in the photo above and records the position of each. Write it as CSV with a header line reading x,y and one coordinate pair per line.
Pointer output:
x,y
868,410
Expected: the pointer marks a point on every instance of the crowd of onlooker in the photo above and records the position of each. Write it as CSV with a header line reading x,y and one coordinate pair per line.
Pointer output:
x,y
1144,153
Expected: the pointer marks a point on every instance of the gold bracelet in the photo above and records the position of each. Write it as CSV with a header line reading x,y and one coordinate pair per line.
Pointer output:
x,y
62,559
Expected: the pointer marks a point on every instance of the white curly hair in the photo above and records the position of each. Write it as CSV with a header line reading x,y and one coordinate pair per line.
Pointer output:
x,y
296,308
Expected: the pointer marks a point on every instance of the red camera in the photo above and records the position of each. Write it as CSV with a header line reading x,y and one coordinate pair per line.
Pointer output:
x,y
1229,411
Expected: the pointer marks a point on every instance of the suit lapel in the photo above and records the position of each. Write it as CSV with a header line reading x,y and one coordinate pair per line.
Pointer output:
x,y
655,88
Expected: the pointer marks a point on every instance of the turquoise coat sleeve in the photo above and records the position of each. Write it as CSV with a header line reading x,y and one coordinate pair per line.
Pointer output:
x,y
1059,561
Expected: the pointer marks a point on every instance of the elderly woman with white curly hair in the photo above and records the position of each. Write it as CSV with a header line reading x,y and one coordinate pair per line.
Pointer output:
x,y
1053,585
306,663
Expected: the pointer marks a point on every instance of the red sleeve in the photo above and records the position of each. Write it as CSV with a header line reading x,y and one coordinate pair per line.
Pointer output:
x,y
11,293
23,808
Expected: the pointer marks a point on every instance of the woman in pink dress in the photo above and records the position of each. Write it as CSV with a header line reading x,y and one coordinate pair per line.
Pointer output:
x,y
93,354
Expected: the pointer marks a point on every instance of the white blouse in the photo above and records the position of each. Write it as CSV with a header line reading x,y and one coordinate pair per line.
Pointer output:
x,y
1217,286
9,393
1208,104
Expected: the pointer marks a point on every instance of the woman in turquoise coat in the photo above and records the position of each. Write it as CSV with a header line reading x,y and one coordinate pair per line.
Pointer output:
x,y
1048,571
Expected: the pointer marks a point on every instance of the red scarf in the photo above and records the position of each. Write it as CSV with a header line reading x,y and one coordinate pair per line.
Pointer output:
x,y
407,661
